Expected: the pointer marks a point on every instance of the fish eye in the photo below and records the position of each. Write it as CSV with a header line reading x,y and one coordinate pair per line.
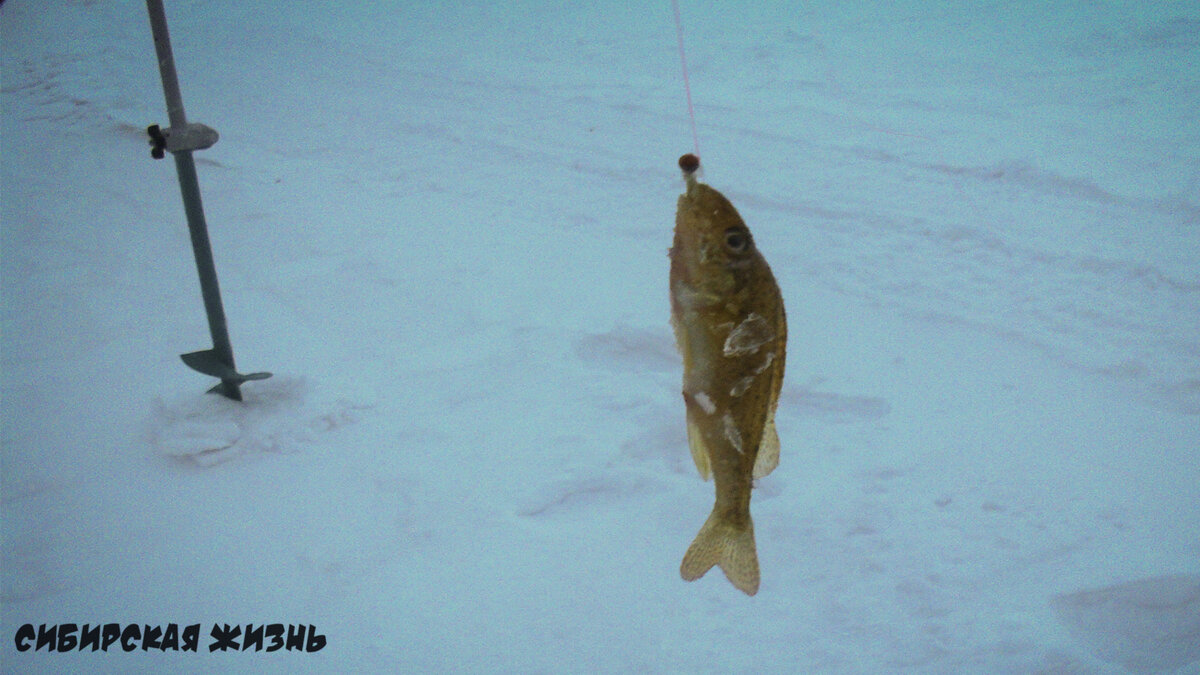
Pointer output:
x,y
737,240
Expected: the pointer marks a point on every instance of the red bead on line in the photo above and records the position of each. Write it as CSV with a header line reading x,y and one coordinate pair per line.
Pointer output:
x,y
689,163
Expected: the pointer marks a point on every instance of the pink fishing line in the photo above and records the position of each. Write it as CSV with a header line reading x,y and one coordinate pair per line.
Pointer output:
x,y
687,86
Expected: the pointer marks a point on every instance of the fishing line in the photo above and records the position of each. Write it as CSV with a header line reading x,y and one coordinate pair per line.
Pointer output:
x,y
687,87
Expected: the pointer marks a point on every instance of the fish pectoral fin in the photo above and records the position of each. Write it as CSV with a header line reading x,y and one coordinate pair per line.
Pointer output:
x,y
727,545
698,447
768,450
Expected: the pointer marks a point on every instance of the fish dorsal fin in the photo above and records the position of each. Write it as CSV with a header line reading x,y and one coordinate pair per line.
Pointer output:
x,y
697,446
768,449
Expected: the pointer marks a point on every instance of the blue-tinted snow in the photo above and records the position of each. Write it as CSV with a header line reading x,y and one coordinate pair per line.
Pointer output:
x,y
444,229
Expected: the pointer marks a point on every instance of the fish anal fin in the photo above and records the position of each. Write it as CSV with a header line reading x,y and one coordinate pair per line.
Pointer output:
x,y
768,450
698,447
727,545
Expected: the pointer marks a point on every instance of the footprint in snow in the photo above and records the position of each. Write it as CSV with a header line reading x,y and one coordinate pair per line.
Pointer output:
x,y
1151,624
629,349
833,407
585,493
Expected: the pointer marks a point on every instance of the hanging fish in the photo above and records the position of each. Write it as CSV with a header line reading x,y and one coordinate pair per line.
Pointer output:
x,y
730,327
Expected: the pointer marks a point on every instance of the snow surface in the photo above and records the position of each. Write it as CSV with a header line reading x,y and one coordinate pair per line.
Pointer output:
x,y
445,231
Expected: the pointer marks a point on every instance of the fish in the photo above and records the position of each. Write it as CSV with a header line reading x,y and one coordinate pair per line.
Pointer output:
x,y
731,329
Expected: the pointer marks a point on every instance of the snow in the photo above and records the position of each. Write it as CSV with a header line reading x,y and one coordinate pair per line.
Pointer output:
x,y
445,232
748,336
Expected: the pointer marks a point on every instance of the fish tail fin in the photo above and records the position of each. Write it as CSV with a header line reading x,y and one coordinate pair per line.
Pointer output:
x,y
728,545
